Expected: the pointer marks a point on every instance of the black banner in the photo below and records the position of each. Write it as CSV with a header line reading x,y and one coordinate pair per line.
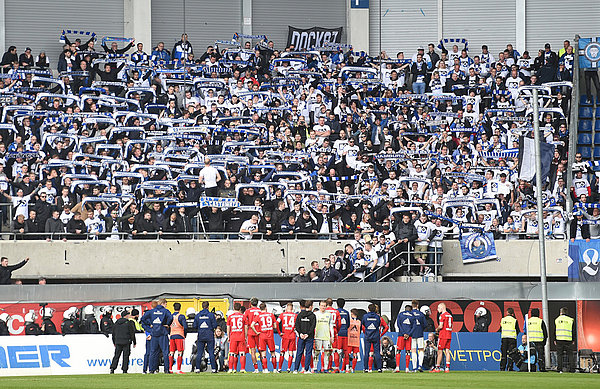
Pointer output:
x,y
305,39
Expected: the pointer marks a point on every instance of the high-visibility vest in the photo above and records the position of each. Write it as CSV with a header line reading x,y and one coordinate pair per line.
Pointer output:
x,y
534,329
508,325
354,333
176,327
564,328
138,326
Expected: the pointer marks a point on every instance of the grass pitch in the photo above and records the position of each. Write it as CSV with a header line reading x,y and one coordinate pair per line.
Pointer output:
x,y
284,380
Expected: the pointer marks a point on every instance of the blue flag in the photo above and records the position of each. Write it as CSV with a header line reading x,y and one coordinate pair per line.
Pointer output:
x,y
478,247
584,261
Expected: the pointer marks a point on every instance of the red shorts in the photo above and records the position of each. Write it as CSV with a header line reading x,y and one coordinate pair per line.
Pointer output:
x,y
335,343
237,346
252,341
444,344
176,345
288,344
266,341
403,344
342,343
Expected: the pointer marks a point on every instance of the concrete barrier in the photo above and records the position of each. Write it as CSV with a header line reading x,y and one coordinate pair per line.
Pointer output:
x,y
223,259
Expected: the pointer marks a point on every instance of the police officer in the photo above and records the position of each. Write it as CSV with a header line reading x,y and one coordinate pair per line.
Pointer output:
x,y
106,323
158,320
89,324
48,327
190,314
31,327
564,339
537,333
510,330
69,325
4,318
205,322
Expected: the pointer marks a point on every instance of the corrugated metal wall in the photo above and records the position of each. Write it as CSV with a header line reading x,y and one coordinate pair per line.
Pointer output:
x,y
405,25
38,24
272,18
205,22
553,21
480,23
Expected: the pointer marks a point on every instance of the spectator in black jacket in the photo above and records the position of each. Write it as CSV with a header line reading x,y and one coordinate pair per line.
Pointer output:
x,y
54,226
8,58
406,235
26,59
579,230
144,226
328,273
76,225
34,225
123,334
301,276
267,226
6,270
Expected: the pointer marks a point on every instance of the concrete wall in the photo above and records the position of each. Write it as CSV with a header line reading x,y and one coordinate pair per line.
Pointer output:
x,y
204,259
138,22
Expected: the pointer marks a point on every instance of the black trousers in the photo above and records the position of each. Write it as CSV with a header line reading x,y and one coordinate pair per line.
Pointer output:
x,y
211,192
541,357
507,345
564,346
591,76
124,349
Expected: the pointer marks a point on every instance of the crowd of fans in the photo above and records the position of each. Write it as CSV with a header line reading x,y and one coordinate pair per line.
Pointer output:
x,y
246,141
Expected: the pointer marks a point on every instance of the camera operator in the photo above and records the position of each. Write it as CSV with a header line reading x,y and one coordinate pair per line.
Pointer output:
x,y
388,353
221,341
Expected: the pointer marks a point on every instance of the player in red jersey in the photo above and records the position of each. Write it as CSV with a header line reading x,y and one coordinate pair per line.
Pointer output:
x,y
445,330
251,338
287,321
236,334
263,325
335,341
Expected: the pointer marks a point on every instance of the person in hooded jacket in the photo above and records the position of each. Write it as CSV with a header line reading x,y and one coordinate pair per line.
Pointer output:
x,y
123,334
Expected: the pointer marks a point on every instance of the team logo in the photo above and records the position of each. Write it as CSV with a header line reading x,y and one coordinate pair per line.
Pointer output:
x,y
592,51
591,259
478,245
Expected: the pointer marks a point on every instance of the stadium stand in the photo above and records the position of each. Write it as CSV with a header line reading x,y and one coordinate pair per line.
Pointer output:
x,y
246,141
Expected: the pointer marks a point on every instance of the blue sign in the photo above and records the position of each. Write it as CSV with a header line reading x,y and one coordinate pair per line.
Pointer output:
x,y
589,53
359,3
468,351
584,260
27,357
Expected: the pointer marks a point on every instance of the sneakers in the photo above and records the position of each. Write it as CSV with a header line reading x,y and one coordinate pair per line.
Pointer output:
x,y
230,371
308,372
276,371
397,370
265,372
295,372
447,370
255,371
436,370
407,370
180,372
111,371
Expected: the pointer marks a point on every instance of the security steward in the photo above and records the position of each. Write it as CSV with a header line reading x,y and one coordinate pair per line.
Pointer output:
x,y
510,330
537,333
564,339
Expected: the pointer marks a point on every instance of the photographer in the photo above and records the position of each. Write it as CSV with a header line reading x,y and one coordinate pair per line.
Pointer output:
x,y
520,355
221,341
430,353
388,353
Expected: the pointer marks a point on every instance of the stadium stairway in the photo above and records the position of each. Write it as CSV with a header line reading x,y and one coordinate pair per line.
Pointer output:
x,y
588,129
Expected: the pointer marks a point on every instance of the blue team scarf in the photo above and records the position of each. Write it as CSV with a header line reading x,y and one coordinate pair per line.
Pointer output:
x,y
500,154
64,33
116,39
454,40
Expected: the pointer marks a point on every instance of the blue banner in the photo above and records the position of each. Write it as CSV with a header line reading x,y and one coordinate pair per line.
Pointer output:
x,y
477,247
584,261
589,53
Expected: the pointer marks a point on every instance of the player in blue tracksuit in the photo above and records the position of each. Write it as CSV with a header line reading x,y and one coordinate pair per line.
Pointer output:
x,y
418,342
343,331
158,320
404,324
205,322
371,323
148,332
